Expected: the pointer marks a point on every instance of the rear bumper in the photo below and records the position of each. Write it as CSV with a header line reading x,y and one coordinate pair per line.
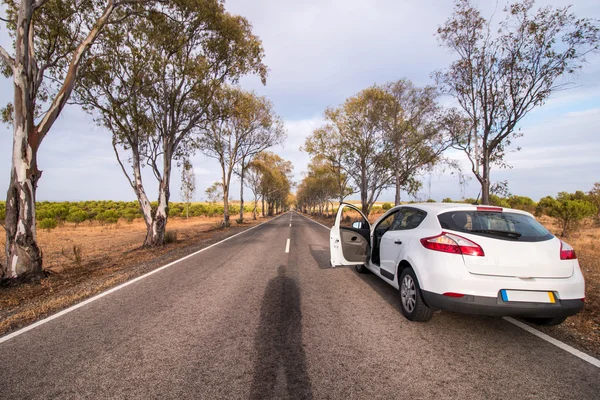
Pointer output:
x,y
495,306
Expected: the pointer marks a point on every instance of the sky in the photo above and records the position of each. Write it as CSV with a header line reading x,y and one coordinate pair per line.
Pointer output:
x,y
320,52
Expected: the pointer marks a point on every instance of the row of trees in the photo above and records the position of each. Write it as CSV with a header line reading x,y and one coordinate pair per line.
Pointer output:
x,y
385,136
269,178
160,76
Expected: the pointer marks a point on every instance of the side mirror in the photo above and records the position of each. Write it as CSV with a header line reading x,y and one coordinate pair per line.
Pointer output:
x,y
357,225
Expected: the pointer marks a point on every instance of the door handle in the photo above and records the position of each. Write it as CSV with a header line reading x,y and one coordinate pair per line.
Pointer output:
x,y
398,242
354,238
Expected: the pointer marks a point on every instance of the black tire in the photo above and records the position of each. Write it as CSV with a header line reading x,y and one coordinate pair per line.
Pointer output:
x,y
547,321
419,312
361,269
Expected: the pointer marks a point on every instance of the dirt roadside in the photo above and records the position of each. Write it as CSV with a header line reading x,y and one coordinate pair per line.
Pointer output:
x,y
109,257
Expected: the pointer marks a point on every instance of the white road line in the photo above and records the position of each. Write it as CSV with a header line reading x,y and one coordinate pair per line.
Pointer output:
x,y
121,286
557,343
290,224
287,246
581,355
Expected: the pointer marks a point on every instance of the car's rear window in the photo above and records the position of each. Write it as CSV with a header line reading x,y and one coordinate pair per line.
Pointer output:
x,y
499,225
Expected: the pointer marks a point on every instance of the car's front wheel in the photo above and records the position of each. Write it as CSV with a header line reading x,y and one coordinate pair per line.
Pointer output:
x,y
411,301
361,269
547,321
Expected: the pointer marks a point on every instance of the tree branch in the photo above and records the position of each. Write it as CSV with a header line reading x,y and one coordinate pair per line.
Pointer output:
x,y
6,58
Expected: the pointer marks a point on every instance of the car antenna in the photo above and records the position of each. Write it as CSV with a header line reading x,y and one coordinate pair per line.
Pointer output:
x,y
477,200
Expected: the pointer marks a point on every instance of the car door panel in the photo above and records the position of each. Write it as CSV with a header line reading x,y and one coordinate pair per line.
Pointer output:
x,y
349,245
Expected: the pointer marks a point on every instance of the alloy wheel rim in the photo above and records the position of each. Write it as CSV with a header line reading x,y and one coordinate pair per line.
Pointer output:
x,y
408,294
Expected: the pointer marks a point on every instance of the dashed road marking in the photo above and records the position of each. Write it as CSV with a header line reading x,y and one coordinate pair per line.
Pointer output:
x,y
287,246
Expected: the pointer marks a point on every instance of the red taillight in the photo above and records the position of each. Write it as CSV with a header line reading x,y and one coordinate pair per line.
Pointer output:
x,y
567,252
452,294
492,209
451,243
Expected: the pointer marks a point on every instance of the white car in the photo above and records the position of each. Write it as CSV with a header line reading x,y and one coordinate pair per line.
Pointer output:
x,y
463,258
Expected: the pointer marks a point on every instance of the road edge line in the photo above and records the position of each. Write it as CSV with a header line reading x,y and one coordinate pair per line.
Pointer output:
x,y
121,286
577,353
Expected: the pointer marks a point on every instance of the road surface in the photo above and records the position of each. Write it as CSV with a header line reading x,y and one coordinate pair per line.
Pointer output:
x,y
247,320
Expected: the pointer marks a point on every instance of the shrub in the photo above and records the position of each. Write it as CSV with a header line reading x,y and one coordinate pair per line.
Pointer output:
x,y
2,212
386,206
498,201
108,216
447,200
522,203
544,206
431,201
170,237
48,224
77,216
569,213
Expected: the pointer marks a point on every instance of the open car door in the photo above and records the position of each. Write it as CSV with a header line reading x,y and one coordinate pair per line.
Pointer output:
x,y
350,237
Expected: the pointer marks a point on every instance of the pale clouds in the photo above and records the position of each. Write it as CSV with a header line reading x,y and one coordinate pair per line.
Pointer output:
x,y
320,52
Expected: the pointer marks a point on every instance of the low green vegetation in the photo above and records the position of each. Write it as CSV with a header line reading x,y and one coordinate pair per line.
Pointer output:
x,y
52,214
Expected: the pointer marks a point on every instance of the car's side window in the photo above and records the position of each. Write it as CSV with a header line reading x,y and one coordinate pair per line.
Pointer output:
x,y
387,222
408,218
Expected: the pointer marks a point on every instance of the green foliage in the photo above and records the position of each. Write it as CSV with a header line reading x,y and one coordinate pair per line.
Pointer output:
x,y
48,223
447,200
76,216
108,216
431,201
498,201
569,213
522,203
386,206
2,212
545,205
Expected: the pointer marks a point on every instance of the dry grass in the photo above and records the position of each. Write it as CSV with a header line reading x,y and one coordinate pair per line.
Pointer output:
x,y
109,255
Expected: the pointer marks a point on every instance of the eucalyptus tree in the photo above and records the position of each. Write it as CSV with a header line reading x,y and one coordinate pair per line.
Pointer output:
x,y
244,125
188,184
153,81
358,145
276,181
502,74
327,142
51,39
414,133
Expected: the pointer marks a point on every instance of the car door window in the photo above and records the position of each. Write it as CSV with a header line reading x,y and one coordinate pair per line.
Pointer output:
x,y
408,218
351,219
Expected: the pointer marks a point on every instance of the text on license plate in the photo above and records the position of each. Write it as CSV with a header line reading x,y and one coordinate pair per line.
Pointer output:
x,y
527,296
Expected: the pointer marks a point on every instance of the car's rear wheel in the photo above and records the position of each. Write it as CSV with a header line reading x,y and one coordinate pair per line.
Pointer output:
x,y
547,321
361,269
411,301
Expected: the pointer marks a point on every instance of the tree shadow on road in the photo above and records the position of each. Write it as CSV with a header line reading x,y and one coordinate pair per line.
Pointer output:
x,y
280,370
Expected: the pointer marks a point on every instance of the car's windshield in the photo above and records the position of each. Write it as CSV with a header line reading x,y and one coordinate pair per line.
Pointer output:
x,y
500,225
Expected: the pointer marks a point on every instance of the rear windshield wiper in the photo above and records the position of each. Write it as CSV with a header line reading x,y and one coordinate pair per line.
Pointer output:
x,y
495,232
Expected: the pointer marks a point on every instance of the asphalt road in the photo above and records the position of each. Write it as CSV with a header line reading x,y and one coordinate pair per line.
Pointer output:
x,y
246,320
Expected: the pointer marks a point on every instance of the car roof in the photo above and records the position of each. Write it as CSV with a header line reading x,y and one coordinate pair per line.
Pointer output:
x,y
438,208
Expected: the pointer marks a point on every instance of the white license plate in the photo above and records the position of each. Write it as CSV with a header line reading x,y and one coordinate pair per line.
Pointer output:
x,y
527,296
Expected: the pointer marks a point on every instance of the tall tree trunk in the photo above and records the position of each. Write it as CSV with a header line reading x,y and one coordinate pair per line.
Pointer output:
x,y
226,205
263,205
398,188
254,209
364,190
23,256
243,169
485,184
